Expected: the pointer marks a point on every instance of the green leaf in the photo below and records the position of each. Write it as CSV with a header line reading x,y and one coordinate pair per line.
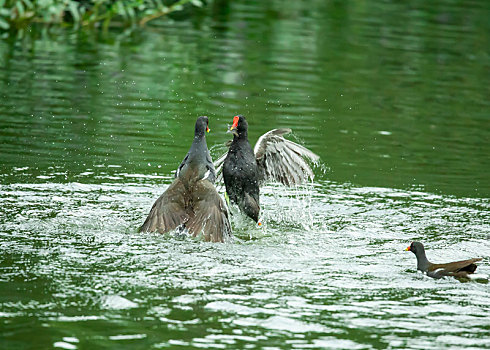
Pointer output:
x,y
20,8
74,11
121,10
28,4
197,3
130,12
3,24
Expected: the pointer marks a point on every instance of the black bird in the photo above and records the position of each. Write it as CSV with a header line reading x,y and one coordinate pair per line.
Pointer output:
x,y
191,202
273,158
457,269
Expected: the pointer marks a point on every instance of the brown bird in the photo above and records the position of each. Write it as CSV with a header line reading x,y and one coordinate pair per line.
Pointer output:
x,y
191,202
273,158
457,269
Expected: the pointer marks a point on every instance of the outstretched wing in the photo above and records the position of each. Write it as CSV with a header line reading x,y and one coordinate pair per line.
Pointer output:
x,y
282,160
168,211
210,215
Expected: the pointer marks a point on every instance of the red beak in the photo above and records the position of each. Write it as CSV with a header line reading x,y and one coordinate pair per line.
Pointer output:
x,y
235,122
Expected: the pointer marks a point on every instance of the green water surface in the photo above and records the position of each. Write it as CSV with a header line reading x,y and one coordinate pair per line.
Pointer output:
x,y
393,96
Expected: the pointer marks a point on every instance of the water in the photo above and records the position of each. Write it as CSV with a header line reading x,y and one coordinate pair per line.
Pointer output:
x,y
394,99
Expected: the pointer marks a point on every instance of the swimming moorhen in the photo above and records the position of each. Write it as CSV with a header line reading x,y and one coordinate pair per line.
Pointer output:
x,y
273,158
457,269
191,202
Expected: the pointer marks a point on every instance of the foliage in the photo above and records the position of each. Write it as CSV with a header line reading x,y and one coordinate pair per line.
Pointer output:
x,y
16,13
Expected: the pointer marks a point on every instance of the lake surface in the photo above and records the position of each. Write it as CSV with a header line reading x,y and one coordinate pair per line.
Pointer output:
x,y
394,98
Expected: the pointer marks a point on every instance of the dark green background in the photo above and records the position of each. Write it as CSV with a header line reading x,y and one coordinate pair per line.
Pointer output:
x,y
393,96
388,94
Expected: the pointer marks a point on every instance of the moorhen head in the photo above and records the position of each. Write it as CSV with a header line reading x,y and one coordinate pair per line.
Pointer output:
x,y
458,269
202,126
239,127
418,249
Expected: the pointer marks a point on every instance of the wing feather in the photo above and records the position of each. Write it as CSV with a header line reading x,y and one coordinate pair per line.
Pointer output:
x,y
283,160
205,211
168,211
210,215
218,164
457,266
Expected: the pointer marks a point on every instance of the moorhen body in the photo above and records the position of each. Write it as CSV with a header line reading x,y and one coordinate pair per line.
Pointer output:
x,y
191,202
457,269
273,158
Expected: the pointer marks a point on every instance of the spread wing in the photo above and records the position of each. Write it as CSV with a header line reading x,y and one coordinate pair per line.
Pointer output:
x,y
168,211
206,212
210,215
282,160
457,266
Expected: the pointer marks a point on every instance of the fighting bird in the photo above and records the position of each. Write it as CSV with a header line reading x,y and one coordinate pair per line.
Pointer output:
x,y
273,158
191,202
